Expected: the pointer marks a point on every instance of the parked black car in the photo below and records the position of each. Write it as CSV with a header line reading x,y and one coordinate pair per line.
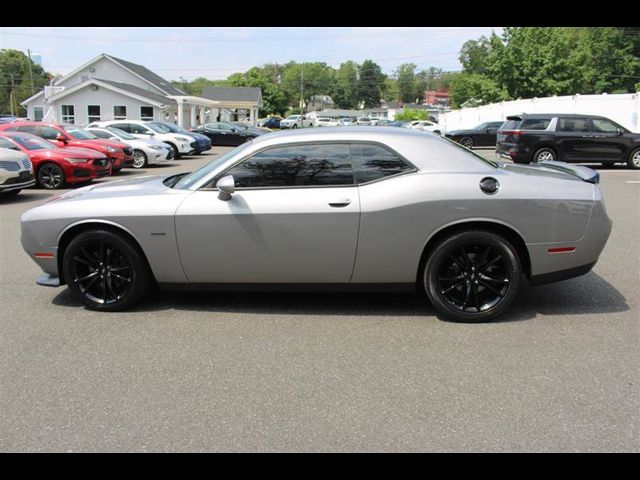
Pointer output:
x,y
569,138
225,134
484,135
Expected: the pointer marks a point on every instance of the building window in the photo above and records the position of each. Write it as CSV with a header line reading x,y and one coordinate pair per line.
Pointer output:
x,y
38,114
68,114
119,112
146,113
93,113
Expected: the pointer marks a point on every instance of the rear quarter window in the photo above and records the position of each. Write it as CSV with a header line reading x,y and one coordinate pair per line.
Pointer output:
x,y
535,123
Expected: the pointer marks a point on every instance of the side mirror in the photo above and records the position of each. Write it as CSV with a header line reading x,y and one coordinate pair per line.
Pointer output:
x,y
619,131
61,138
226,187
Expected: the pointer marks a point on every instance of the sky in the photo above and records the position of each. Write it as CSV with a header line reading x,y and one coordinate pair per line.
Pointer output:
x,y
217,52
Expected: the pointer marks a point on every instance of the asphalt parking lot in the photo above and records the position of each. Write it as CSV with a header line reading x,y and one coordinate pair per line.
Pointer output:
x,y
330,372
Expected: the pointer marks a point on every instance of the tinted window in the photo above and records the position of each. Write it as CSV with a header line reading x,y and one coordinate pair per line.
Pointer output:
x,y
510,125
602,125
32,142
5,143
293,166
535,123
372,162
125,127
49,133
139,129
573,125
28,129
101,133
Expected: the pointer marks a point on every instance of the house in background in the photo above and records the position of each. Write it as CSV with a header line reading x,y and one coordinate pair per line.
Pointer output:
x,y
109,88
234,103
320,102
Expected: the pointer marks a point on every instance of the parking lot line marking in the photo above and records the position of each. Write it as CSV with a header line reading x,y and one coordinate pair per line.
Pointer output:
x,y
633,181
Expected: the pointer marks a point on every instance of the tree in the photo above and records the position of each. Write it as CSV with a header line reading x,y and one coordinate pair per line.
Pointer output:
x,y
474,55
406,82
475,88
345,91
408,114
15,80
370,86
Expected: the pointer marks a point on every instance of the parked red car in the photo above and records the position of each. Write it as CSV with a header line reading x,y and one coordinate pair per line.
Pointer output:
x,y
55,167
66,135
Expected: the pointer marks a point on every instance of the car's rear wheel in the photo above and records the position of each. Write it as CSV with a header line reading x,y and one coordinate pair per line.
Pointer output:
x,y
634,159
466,142
51,176
139,159
105,271
472,276
544,154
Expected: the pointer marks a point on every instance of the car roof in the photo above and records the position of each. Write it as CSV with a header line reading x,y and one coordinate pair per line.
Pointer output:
x,y
551,115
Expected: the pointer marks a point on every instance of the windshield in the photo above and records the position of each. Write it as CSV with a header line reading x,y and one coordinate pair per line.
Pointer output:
x,y
482,126
205,170
156,127
293,117
478,156
121,133
31,142
170,126
79,133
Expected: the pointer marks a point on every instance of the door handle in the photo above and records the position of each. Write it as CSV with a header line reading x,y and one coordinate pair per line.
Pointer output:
x,y
339,202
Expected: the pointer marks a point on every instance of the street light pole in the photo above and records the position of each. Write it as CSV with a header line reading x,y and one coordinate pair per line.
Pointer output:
x,y
30,72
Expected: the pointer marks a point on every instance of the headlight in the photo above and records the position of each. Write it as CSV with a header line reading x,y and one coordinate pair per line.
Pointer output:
x,y
156,147
184,139
112,149
76,160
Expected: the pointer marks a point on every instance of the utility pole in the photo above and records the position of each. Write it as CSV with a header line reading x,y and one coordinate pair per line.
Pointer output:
x,y
12,96
30,72
302,89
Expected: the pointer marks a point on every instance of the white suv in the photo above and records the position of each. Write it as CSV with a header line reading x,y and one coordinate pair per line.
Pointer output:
x,y
16,171
296,121
181,144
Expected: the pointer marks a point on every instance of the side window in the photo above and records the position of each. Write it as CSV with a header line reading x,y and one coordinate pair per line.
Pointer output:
x,y
535,123
139,129
604,126
48,133
372,162
295,166
123,126
574,125
101,134
28,129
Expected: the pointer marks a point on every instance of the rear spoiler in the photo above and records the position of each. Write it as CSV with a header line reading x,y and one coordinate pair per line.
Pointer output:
x,y
584,173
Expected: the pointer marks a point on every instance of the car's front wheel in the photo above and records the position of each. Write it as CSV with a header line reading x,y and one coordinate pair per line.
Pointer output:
x,y
139,159
105,271
472,276
51,176
634,160
466,142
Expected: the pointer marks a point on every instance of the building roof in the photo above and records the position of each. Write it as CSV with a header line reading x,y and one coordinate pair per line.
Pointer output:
x,y
234,94
137,91
149,76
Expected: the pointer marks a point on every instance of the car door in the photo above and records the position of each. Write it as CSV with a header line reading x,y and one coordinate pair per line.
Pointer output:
x,y
215,134
293,218
609,140
489,134
574,139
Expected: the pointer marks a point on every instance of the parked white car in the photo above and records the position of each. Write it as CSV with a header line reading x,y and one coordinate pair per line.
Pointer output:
x,y
146,151
16,172
426,125
345,122
181,144
326,122
296,121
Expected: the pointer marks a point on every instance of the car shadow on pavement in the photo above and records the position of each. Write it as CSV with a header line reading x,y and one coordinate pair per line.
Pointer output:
x,y
25,196
584,295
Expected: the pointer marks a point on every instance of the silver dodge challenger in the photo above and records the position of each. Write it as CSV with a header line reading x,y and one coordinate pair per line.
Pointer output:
x,y
357,208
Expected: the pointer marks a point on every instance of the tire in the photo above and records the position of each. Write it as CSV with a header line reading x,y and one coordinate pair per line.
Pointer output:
x,y
437,132
115,169
634,160
294,126
176,153
455,288
466,142
607,164
544,154
11,193
89,265
139,159
51,177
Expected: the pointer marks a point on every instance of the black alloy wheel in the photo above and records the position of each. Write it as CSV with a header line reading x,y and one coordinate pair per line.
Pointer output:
x,y
466,142
51,176
472,276
105,271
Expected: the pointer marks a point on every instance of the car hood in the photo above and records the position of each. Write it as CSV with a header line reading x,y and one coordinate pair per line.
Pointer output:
x,y
103,143
133,187
461,132
74,152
